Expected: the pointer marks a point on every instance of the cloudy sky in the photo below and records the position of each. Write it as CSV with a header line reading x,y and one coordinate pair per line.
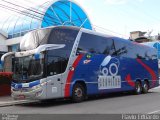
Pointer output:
x,y
118,17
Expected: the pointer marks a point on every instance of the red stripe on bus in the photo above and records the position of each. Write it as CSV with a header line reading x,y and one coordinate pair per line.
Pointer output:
x,y
70,76
129,80
152,73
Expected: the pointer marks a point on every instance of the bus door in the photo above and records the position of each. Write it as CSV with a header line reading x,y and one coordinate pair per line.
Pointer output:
x,y
54,76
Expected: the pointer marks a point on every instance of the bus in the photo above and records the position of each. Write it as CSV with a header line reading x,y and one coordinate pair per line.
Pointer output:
x,y
73,62
1,53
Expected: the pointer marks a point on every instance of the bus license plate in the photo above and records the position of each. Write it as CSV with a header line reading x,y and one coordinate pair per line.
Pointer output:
x,y
21,97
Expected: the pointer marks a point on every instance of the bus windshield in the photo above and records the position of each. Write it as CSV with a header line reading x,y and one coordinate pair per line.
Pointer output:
x,y
27,69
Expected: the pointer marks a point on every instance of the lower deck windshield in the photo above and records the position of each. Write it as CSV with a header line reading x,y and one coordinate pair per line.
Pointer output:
x,y
27,69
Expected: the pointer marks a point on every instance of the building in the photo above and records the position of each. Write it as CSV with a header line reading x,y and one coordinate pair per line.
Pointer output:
x,y
136,34
55,13
142,40
139,37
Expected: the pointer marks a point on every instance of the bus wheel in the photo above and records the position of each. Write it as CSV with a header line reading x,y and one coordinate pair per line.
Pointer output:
x,y
145,87
138,88
78,93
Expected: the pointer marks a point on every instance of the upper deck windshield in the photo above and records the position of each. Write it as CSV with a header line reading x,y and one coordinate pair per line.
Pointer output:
x,y
57,35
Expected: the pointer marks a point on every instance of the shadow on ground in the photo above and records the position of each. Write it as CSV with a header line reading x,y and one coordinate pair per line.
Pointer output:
x,y
60,102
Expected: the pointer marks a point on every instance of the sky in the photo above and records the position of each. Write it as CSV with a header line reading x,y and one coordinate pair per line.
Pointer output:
x,y
117,17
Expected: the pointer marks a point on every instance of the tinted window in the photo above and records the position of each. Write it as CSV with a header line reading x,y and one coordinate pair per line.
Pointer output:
x,y
133,50
140,52
149,54
57,61
53,65
96,44
58,35
129,49
122,49
63,36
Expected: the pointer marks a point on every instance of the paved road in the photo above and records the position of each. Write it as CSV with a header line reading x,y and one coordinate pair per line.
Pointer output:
x,y
112,104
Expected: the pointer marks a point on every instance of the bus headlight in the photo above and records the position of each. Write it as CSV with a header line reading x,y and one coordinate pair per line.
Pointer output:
x,y
39,86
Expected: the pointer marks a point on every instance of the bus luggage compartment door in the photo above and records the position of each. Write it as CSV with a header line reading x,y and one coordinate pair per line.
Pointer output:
x,y
54,86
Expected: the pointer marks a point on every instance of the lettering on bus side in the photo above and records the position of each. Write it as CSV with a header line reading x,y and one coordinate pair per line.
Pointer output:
x,y
109,78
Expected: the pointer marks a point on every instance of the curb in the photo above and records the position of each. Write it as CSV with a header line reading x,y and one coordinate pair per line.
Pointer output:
x,y
11,103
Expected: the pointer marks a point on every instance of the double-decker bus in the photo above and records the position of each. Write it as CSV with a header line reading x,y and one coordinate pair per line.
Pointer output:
x,y
72,62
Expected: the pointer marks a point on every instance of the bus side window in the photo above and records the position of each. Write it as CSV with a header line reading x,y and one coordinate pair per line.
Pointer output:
x,y
95,44
53,66
57,61
110,48
121,48
140,54
85,44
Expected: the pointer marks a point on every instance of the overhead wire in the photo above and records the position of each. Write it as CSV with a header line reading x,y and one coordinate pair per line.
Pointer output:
x,y
108,30
28,9
38,12
34,10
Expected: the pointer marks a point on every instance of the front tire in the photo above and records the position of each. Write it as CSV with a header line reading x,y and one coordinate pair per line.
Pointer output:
x,y
78,93
138,88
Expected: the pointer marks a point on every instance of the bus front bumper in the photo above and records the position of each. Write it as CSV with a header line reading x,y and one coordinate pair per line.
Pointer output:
x,y
28,94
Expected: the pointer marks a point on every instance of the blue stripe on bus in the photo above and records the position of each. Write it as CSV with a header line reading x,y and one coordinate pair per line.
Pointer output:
x,y
20,85
34,83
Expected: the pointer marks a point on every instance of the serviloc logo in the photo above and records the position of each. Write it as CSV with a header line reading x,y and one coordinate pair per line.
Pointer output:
x,y
109,78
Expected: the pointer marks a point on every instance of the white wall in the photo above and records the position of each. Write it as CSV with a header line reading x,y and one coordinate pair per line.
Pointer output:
x,y
3,46
4,42
13,41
